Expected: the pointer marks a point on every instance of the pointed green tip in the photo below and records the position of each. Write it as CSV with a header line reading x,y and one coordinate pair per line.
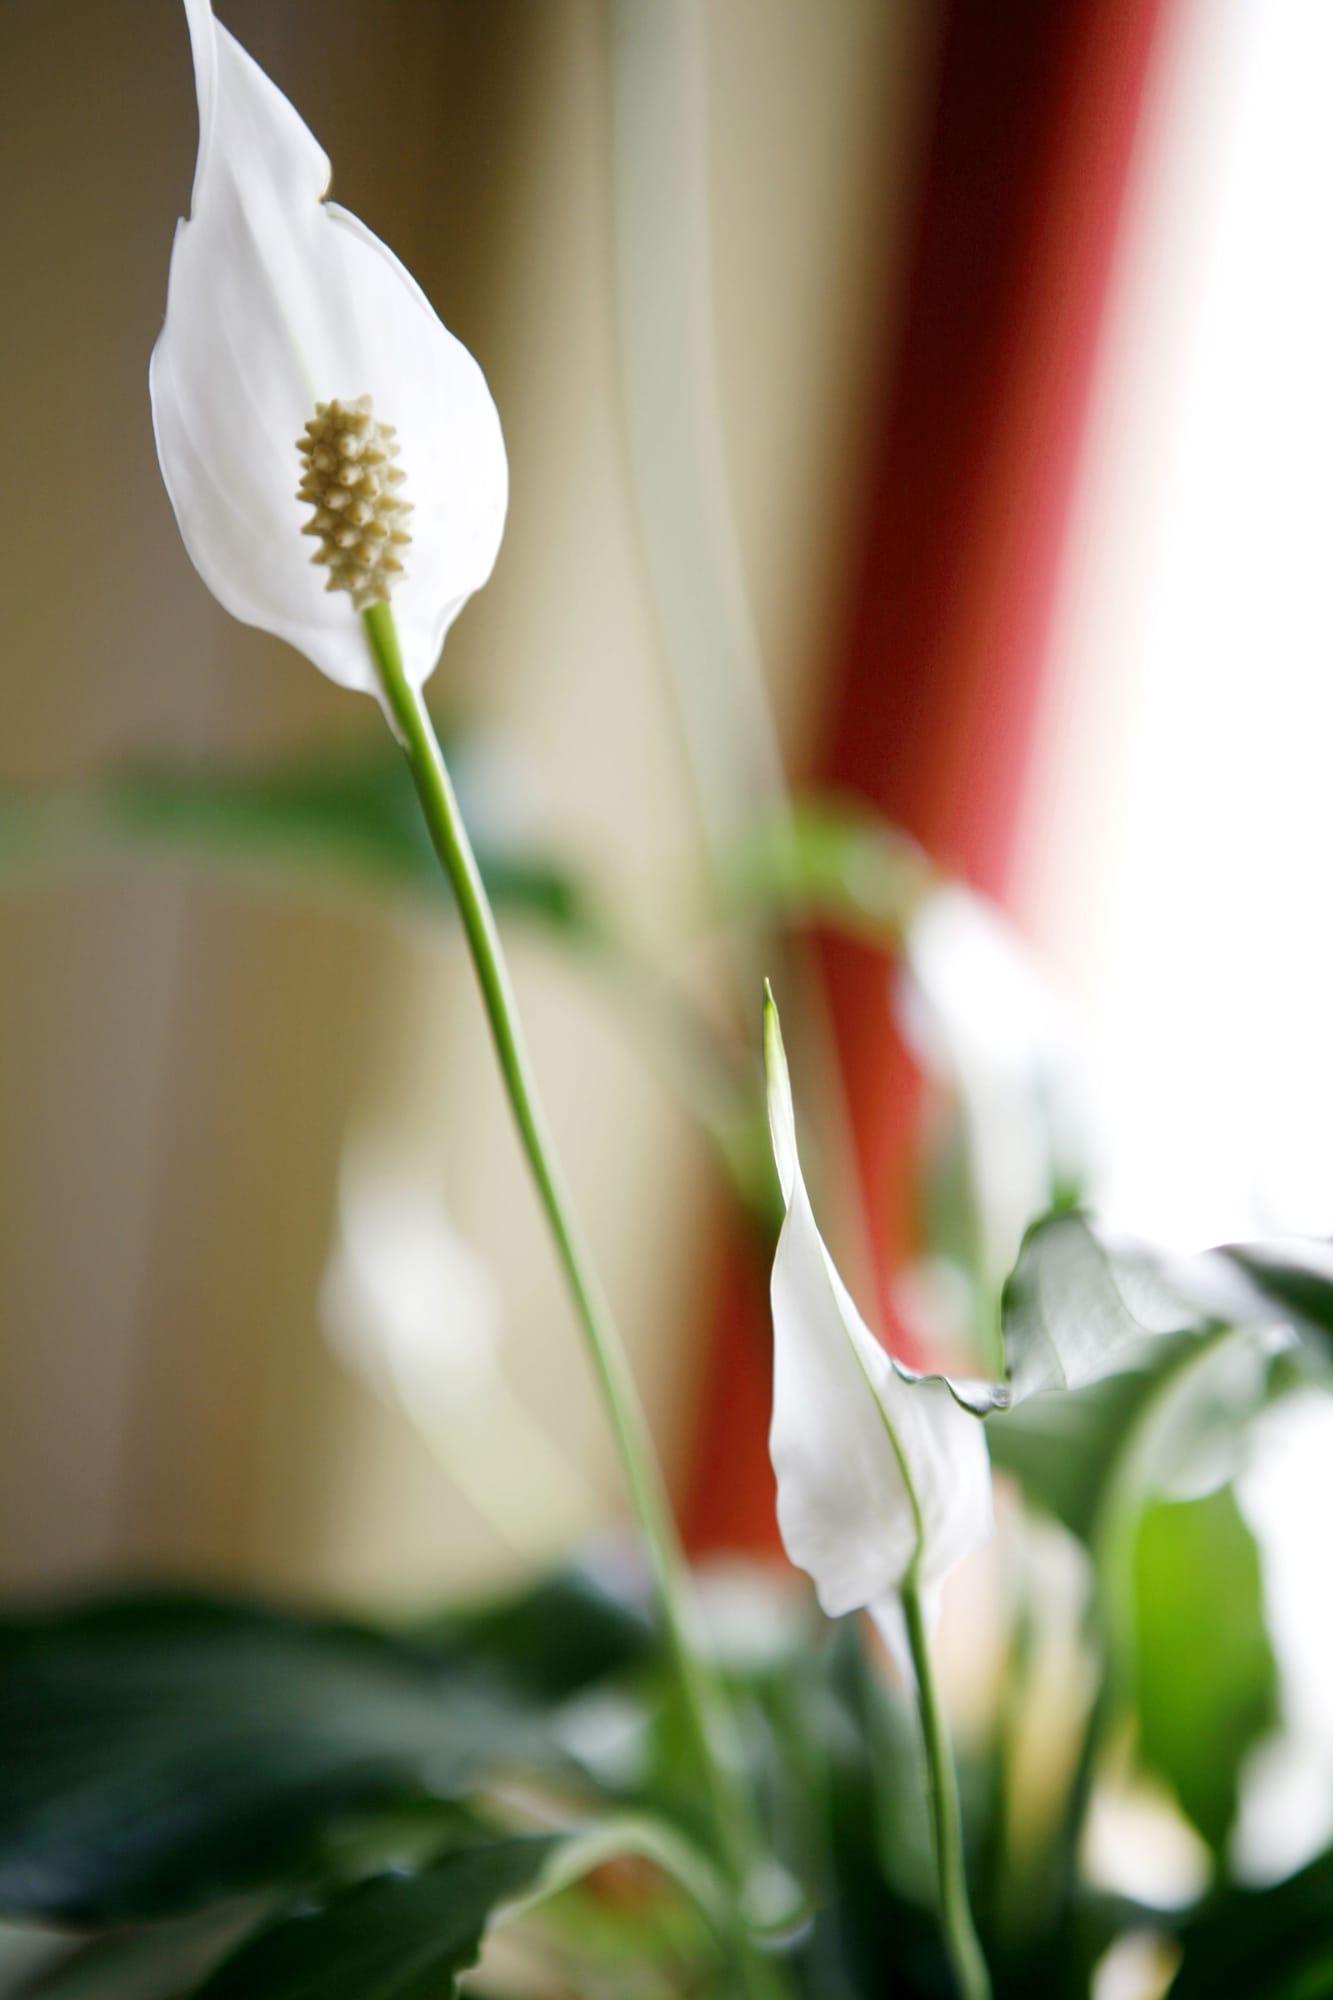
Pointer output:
x,y
775,1056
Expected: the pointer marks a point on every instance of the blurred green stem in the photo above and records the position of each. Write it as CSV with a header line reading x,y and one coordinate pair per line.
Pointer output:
x,y
960,1935
729,1810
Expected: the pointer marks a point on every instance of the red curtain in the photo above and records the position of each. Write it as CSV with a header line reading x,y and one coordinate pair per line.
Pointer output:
x,y
936,673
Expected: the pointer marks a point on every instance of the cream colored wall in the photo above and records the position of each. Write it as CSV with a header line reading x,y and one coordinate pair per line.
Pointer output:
x,y
180,1064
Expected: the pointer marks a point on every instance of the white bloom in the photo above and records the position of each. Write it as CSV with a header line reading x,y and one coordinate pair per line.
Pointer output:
x,y
882,1478
982,1021
406,1301
280,304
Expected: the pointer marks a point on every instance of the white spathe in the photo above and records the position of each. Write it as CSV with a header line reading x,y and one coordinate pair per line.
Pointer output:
x,y
882,1478
982,1020
276,300
406,1301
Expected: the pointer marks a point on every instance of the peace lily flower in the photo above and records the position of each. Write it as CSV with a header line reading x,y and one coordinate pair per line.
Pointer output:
x,y
304,389
883,1479
302,385
985,1025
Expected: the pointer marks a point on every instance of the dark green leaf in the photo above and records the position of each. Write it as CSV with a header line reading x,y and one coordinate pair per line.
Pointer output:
x,y
158,1753
396,1937
1065,1450
1263,1944
875,1930
1206,1685
1294,1277
561,1635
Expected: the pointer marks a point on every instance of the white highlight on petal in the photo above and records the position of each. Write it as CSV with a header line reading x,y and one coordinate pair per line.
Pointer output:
x,y
881,1477
277,300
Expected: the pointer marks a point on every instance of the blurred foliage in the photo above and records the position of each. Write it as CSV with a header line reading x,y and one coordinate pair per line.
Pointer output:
x,y
827,860
347,823
396,1936
169,1753
1205,1681
200,1745
235,1798
1267,1944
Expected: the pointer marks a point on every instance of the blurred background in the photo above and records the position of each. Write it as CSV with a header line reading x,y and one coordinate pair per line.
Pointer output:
x,y
925,399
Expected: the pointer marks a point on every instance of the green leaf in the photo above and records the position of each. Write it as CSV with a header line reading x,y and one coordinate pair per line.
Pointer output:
x,y
159,1962
348,822
395,1937
1205,1679
158,1753
1293,1277
406,1935
1065,1451
560,1635
833,861
1078,1306
1262,1944
1081,1304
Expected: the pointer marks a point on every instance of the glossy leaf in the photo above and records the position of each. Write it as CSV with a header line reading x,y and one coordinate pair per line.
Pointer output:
x,y
1205,1680
396,1937
1082,1303
159,1753
1079,1306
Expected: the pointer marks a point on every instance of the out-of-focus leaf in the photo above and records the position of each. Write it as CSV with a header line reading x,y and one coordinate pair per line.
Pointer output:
x,y
159,1962
1121,1321
1262,1944
1174,1420
1293,1276
561,1635
1205,1681
406,1935
395,1937
829,860
159,1753
344,821
1062,1450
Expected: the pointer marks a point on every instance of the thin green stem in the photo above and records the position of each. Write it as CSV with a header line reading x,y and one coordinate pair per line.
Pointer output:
x,y
729,1810
960,1934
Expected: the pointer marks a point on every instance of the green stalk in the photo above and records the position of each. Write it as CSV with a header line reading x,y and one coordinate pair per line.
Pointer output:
x,y
960,1933
729,1809
960,1936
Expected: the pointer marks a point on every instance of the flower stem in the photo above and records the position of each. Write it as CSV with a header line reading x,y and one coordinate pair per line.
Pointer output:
x,y
960,1934
733,1825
